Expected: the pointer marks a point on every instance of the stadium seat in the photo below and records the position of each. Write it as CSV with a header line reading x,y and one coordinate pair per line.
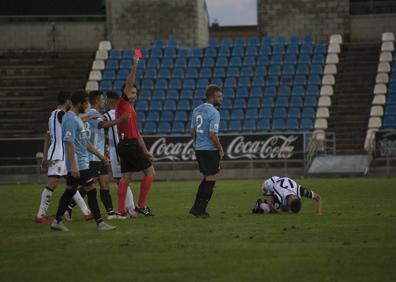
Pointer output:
x,y
147,84
320,49
222,62
256,92
262,61
310,101
260,71
292,124
164,74
205,73
294,113
239,42
181,63
224,51
233,72
194,63
178,73
127,64
263,125
178,128
170,105
211,52
164,128
265,50
251,114
172,94
253,41
181,116
249,125
167,116
239,103
208,63
175,84
278,124
246,72
230,82
183,53
115,54
202,83
308,112
279,49
186,94
228,93
105,85
276,60
152,116
234,126
318,59
158,95
170,53
296,102
156,105
196,53
150,128
153,63
128,54
288,70
265,113
167,63
290,59
293,49
266,40
251,51
306,49
298,91
213,43
156,53
274,70
189,83
306,124
280,112
238,51
183,105
244,82
258,81
142,106
226,43
161,84
150,74
314,79
144,95
224,114
237,114
219,73
284,91
242,92
270,91
109,75
304,59
389,122
112,64
235,62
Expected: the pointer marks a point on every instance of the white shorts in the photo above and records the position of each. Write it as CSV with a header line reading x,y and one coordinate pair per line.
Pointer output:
x,y
57,168
116,169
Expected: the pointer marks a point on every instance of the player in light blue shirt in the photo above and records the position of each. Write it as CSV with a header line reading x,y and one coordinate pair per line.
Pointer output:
x,y
75,138
208,150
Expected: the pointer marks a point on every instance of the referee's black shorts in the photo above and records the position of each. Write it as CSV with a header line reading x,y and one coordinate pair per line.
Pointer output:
x,y
208,161
132,156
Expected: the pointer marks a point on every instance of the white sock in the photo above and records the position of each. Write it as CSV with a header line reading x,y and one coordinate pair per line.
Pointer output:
x,y
81,203
129,203
46,196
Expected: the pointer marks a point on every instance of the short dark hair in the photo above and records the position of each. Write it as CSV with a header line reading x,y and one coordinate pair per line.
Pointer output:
x,y
63,96
94,95
79,97
123,87
211,90
112,95
295,205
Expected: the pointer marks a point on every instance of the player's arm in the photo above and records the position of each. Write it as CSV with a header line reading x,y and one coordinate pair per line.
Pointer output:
x,y
95,152
132,75
193,135
110,123
72,158
143,146
87,118
312,195
213,130
44,162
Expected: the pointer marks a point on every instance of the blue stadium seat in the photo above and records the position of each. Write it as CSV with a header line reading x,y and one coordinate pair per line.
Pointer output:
x,y
284,91
270,91
224,114
227,104
217,81
109,75
205,73
313,90
265,50
265,113
278,124
242,92
181,116
147,84
237,114
192,73
186,94
150,74
223,126
286,80
202,83
178,128
318,59
249,125
181,63
161,84
276,60
390,110
115,54
145,52
167,63
230,82
279,40
170,53
239,42
150,128
233,72
235,62
112,64
263,61
260,71
308,112
296,102
167,116
253,41
310,101
306,49
290,59
292,124
246,72
222,62
238,51
178,73
119,83
280,112
128,54
196,53
289,70
152,116
139,73
106,85
302,70
196,103
183,53
226,43
308,39
155,105
213,43
304,59
239,103
211,52
251,51
293,49
158,95
266,40
175,84
141,115
249,61
263,125
234,126
279,49
294,40
224,52
228,93
389,122
258,81
314,79
272,80
316,69
219,72
244,82
184,105
251,114
300,80
268,102
164,74
144,95
274,70
306,124
164,128
142,106
256,92
170,105
208,63
127,64
320,49
392,86
172,94
391,99
153,63
393,76
294,113
156,53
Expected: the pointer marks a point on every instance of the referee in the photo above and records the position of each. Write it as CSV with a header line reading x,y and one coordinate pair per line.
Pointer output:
x,y
132,150
208,150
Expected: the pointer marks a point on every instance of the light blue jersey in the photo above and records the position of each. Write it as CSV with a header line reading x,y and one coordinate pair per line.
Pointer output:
x,y
205,119
73,130
97,135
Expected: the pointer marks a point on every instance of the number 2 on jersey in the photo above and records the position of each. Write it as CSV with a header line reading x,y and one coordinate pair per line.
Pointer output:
x,y
199,122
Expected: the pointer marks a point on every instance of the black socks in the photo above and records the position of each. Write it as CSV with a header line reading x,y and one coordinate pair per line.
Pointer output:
x,y
93,205
203,196
106,200
63,203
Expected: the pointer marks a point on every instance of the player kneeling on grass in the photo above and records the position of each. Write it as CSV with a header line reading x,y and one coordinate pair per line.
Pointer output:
x,y
283,195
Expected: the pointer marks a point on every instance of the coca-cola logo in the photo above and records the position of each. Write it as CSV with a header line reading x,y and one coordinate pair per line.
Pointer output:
x,y
275,147
174,151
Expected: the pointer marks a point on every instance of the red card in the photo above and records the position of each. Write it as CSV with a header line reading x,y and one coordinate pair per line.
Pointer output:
x,y
138,53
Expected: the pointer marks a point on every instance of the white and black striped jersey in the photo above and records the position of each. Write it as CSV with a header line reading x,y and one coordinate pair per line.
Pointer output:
x,y
56,150
284,187
113,137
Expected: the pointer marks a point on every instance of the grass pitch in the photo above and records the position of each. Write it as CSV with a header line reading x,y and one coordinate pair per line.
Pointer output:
x,y
354,240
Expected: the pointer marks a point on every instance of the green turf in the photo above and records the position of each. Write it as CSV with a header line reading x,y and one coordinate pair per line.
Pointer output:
x,y
354,240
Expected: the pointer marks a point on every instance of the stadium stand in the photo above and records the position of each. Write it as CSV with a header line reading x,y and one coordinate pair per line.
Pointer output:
x,y
270,84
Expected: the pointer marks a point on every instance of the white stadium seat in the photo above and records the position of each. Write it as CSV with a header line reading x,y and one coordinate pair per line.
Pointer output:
x,y
379,100
332,59
319,135
384,67
334,48
386,57
382,78
328,79
101,55
387,47
326,90
388,36
323,112
336,38
377,111
330,69
380,89
95,75
374,122
324,101
98,65
105,45
92,85
321,123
